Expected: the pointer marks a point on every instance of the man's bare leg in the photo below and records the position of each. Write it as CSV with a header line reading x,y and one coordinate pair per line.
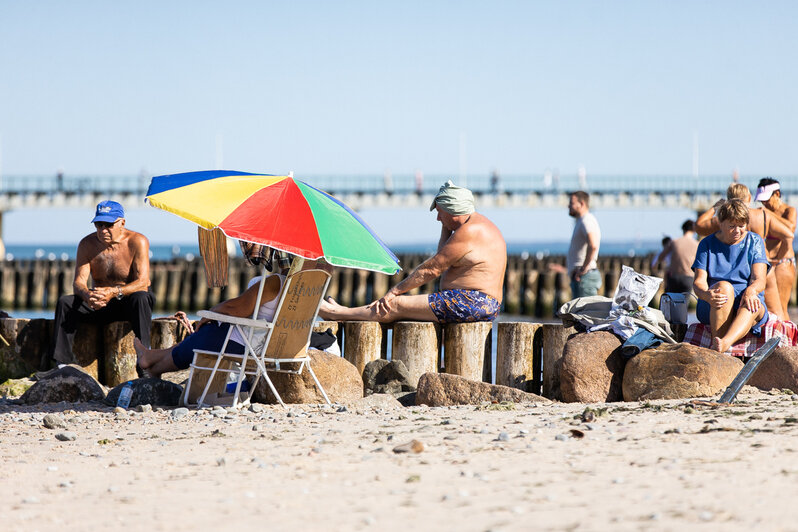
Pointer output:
x,y
742,323
721,318
405,308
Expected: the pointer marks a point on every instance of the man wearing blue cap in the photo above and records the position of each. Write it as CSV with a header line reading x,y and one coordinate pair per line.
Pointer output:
x,y
118,261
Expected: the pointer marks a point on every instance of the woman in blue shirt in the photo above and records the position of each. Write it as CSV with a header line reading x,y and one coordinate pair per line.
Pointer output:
x,y
730,273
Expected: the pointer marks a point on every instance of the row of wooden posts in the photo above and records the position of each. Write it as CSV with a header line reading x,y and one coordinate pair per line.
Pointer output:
x,y
524,351
527,353
530,288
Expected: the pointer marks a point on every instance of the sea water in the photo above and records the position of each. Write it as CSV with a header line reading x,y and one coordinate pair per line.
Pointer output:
x,y
191,250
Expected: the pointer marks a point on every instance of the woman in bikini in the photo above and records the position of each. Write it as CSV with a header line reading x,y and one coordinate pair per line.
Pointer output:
x,y
767,226
780,252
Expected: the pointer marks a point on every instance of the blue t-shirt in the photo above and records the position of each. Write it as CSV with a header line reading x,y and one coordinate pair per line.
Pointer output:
x,y
731,263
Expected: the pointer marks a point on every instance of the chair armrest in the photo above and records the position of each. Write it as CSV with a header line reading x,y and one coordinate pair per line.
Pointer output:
x,y
226,318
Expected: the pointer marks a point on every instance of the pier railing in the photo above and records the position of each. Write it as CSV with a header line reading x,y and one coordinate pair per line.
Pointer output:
x,y
547,183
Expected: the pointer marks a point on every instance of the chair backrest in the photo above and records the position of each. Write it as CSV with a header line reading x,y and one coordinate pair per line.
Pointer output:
x,y
296,312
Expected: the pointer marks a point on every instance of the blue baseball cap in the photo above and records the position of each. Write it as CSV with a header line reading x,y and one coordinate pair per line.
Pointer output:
x,y
108,211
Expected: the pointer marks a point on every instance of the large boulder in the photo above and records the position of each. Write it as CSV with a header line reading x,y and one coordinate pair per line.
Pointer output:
x,y
68,383
779,370
149,391
678,371
445,389
591,368
339,377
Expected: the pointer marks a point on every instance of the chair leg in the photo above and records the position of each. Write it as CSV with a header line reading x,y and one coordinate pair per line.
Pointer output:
x,y
318,384
188,386
210,381
273,389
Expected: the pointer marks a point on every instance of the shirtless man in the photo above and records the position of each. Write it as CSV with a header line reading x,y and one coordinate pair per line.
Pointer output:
x,y
766,226
470,262
119,264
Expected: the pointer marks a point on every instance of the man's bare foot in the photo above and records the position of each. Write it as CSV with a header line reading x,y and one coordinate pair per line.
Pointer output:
x,y
141,353
719,345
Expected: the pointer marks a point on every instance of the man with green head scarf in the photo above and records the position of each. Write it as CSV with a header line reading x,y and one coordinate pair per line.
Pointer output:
x,y
470,262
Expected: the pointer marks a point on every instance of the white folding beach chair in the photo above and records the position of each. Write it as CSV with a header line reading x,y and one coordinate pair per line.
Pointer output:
x,y
278,346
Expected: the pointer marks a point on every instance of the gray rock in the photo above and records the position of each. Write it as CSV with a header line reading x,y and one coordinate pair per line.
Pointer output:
x,y
69,383
179,413
66,436
51,421
144,408
149,391
391,387
382,376
406,398
443,389
370,372
384,401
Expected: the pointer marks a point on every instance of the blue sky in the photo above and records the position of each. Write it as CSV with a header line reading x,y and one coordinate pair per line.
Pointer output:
x,y
362,87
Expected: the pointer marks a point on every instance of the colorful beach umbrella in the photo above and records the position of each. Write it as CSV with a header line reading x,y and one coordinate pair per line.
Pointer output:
x,y
276,211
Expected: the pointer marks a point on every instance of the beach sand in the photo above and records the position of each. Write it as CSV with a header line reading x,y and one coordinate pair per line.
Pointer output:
x,y
660,465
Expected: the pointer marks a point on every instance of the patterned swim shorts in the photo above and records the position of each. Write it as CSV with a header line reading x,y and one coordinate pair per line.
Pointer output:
x,y
461,306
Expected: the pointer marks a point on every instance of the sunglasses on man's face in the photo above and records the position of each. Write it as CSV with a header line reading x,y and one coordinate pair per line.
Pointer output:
x,y
104,225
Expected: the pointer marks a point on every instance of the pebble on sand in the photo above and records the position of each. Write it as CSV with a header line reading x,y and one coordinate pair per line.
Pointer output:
x,y
413,446
66,436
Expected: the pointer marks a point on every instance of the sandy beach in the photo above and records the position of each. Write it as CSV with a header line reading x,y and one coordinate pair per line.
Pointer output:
x,y
663,465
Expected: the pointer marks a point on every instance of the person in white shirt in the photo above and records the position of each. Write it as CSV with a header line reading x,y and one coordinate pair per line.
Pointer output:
x,y
582,255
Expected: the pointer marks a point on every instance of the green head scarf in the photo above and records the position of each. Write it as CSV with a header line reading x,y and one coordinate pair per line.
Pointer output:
x,y
455,200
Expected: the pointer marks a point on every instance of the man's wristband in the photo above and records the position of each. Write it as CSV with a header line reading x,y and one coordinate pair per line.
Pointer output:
x,y
119,293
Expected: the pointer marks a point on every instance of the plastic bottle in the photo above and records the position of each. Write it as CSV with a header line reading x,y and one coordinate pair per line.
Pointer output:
x,y
124,395
232,380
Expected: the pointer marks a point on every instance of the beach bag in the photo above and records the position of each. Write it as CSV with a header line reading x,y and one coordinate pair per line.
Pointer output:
x,y
674,306
634,291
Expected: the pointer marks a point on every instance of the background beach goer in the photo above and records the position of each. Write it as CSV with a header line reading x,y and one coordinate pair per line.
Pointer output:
x,y
119,264
763,224
583,252
470,262
781,253
730,270
679,276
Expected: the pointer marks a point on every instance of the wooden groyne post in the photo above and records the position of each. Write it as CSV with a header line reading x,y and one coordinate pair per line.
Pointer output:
x,y
417,345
